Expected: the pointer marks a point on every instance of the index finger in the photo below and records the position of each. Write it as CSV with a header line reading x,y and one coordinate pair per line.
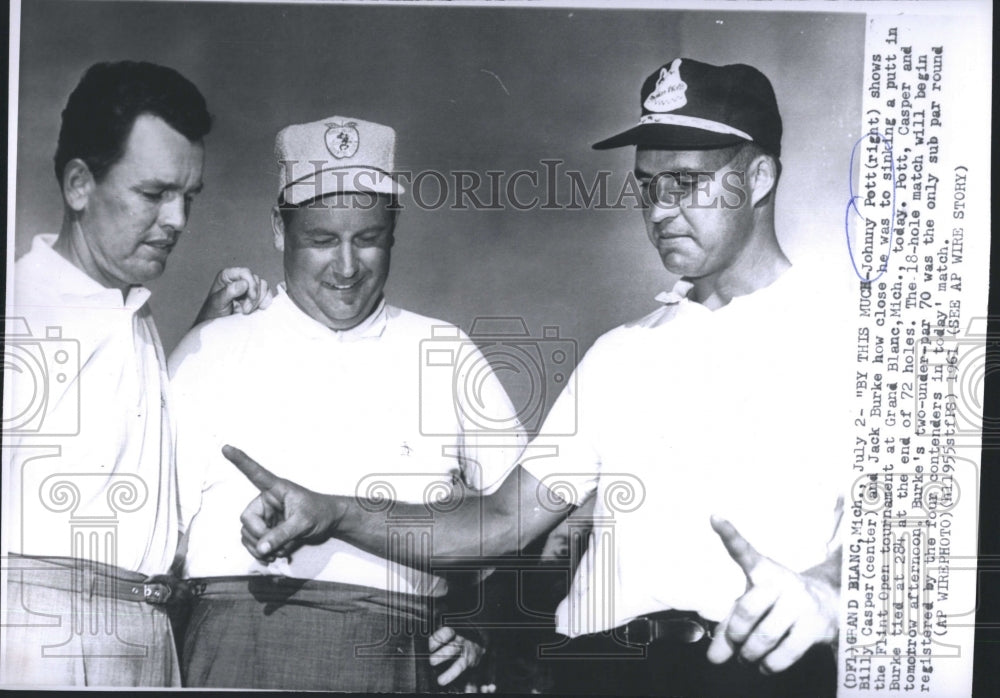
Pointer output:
x,y
228,275
738,547
262,478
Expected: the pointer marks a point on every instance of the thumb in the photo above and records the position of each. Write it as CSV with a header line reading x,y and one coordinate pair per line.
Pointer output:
x,y
264,294
286,531
738,547
262,478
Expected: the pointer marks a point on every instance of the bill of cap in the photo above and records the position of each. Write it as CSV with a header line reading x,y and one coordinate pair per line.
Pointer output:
x,y
343,180
669,137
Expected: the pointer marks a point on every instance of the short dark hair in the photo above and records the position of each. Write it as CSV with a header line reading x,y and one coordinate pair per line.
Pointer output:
x,y
103,107
747,152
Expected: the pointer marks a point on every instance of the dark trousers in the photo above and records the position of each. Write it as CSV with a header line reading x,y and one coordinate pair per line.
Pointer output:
x,y
294,634
605,664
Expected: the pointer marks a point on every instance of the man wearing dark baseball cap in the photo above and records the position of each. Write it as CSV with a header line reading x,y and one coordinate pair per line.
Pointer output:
x,y
709,423
714,614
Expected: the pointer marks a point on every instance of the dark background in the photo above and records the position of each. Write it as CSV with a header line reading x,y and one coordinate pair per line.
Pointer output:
x,y
557,81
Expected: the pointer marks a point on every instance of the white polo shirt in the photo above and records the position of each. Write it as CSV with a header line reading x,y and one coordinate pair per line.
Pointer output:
x,y
363,411
88,452
741,412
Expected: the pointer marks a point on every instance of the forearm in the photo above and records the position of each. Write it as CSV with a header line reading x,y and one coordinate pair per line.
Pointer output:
x,y
825,579
378,529
286,515
479,526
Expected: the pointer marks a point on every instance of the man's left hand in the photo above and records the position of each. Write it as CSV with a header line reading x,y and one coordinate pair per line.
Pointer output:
x,y
447,645
782,614
235,290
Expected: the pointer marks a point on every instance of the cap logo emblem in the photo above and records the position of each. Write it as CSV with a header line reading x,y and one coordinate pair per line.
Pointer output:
x,y
342,140
670,92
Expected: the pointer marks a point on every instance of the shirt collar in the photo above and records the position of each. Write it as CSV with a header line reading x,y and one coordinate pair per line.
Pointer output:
x,y
371,327
676,303
677,294
76,286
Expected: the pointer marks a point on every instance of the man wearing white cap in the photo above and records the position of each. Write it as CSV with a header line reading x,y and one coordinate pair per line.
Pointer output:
x,y
722,409
327,380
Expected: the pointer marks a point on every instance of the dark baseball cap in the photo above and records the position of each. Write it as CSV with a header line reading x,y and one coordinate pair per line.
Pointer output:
x,y
690,105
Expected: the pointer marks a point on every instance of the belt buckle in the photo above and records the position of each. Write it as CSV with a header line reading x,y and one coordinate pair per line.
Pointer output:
x,y
693,631
639,632
156,593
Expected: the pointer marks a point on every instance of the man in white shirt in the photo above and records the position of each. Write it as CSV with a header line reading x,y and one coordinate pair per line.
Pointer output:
x,y
725,409
330,380
90,506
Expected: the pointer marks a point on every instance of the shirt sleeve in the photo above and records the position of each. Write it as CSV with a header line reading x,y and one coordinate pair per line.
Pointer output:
x,y
564,456
191,415
493,437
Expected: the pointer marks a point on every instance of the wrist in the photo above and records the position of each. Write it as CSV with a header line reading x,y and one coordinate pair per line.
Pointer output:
x,y
828,571
336,505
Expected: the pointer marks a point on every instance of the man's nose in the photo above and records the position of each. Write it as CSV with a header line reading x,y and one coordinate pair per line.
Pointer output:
x,y
346,262
663,208
174,213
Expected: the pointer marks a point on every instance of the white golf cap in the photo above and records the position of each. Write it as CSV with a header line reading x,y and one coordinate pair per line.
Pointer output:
x,y
335,155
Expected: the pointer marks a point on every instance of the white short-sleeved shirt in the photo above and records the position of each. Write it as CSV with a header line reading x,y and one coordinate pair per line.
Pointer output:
x,y
376,410
741,412
88,452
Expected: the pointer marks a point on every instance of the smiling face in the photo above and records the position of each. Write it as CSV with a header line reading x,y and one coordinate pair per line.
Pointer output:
x,y
130,220
336,255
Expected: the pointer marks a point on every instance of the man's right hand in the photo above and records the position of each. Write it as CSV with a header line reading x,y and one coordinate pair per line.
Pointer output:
x,y
235,290
782,614
284,515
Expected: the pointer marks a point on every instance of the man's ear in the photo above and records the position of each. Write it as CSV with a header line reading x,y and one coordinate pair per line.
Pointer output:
x,y
395,220
763,174
278,227
77,184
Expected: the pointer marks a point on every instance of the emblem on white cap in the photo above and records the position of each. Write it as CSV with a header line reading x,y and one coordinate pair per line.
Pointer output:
x,y
342,140
670,91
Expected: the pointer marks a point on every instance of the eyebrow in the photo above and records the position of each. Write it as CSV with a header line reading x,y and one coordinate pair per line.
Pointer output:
x,y
170,186
674,173
364,231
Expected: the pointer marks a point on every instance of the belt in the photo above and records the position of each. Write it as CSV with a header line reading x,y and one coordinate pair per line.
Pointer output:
x,y
682,627
94,579
276,590
153,591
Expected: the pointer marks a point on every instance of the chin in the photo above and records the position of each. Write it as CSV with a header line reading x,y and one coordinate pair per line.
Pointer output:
x,y
342,316
680,267
150,272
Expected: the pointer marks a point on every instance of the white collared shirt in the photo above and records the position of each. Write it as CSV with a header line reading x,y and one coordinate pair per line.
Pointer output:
x,y
88,463
361,411
742,412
